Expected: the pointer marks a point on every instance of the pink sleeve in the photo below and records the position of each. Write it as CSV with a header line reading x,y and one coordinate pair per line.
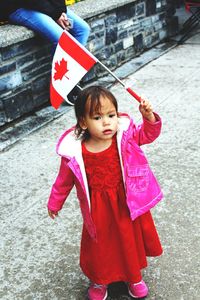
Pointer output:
x,y
61,188
147,132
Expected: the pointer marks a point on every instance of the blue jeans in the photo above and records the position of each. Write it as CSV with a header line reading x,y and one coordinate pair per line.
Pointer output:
x,y
47,27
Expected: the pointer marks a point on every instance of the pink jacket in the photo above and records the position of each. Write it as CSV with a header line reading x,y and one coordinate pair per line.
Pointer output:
x,y
142,189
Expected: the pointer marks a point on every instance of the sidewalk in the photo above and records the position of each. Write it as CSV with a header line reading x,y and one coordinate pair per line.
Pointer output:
x,y
40,258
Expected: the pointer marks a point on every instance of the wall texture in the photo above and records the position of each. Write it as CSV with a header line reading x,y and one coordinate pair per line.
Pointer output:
x,y
120,30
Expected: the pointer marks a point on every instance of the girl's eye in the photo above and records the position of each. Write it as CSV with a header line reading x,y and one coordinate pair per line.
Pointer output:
x,y
97,118
111,115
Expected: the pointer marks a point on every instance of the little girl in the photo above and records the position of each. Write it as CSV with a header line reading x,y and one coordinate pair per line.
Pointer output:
x,y
116,189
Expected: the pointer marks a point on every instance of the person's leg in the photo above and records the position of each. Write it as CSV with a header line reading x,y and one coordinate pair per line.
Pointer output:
x,y
47,27
38,22
80,29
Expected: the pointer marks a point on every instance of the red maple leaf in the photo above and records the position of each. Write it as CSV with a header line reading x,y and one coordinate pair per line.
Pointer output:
x,y
61,69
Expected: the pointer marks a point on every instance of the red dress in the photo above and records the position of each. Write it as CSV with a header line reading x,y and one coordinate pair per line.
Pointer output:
x,y
122,245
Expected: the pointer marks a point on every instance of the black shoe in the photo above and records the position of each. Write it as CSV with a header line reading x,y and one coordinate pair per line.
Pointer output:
x,y
72,96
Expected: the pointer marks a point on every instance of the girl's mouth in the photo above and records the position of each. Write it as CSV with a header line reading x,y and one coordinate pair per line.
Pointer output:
x,y
107,131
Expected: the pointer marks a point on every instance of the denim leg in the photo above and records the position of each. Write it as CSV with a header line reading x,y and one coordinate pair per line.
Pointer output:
x,y
80,29
47,27
38,22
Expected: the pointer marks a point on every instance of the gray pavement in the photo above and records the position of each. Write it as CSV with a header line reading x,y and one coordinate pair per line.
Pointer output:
x,y
40,258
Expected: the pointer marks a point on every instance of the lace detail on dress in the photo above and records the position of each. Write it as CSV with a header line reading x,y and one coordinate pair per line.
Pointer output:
x,y
103,169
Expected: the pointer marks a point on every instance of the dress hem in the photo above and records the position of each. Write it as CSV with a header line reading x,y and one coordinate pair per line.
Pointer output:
x,y
116,279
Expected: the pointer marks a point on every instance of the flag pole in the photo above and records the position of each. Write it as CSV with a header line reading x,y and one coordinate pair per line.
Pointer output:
x,y
129,90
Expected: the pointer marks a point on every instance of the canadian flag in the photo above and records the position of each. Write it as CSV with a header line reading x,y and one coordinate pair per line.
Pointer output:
x,y
71,62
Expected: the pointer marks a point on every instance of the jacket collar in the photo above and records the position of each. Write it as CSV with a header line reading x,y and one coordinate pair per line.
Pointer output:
x,y
70,147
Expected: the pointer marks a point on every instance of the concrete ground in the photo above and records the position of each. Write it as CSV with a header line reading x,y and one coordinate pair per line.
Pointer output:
x,y
40,258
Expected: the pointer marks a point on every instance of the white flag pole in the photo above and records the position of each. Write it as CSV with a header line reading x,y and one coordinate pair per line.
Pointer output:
x,y
136,96
109,71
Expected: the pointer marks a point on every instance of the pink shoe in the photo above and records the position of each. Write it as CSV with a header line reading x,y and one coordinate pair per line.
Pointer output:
x,y
138,290
97,292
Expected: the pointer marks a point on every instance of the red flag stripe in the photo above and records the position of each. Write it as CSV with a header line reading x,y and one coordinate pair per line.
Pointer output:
x,y
55,97
70,46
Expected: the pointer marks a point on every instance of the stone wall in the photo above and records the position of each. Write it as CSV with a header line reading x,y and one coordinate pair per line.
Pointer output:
x,y
120,30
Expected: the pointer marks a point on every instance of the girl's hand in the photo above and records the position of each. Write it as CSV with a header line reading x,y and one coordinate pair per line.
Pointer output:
x,y
64,22
52,214
147,110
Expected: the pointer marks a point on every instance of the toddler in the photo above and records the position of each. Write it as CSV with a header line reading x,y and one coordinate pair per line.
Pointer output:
x,y
116,189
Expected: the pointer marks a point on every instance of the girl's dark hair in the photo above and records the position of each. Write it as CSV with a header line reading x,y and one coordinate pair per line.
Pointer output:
x,y
93,94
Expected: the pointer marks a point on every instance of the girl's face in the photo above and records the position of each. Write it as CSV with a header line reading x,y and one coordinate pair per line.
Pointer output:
x,y
103,124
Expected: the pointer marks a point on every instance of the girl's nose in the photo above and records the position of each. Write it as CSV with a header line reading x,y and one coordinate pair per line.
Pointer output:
x,y
106,121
